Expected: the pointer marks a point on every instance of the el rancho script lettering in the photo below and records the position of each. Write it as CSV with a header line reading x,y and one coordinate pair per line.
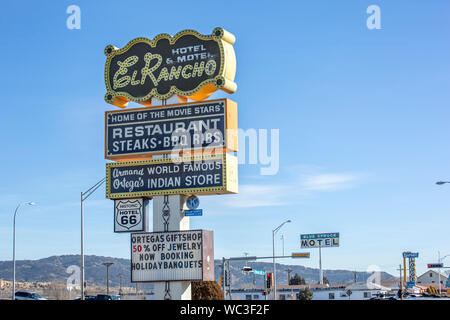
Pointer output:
x,y
188,64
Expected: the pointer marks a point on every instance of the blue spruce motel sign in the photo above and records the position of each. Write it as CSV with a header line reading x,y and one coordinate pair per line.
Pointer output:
x,y
317,240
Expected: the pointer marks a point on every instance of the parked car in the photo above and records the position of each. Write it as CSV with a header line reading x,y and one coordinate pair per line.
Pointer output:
x,y
88,298
107,297
27,295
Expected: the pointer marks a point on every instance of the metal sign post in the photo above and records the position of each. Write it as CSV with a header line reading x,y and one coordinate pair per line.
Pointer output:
x,y
167,217
320,265
319,240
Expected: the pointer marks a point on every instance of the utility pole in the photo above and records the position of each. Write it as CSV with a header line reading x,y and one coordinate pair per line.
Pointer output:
x,y
401,280
107,265
120,288
289,275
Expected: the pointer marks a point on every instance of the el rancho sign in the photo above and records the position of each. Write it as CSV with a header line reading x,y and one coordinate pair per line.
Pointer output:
x,y
188,64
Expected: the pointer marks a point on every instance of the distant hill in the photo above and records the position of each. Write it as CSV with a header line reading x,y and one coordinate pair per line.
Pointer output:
x,y
311,275
54,269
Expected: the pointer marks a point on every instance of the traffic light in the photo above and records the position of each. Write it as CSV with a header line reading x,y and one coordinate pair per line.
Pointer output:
x,y
221,281
269,280
263,293
435,265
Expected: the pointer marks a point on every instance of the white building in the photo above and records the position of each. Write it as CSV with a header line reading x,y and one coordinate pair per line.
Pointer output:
x,y
431,277
358,291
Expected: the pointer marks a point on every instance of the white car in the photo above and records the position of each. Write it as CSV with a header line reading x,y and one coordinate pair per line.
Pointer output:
x,y
27,295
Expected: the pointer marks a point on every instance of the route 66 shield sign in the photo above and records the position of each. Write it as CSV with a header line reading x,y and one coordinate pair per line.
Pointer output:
x,y
130,215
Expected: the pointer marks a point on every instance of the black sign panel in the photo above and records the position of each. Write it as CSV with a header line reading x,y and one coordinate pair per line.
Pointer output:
x,y
190,175
189,64
148,131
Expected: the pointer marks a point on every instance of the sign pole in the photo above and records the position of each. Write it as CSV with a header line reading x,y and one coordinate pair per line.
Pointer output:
x,y
404,270
82,250
229,280
168,216
320,265
223,278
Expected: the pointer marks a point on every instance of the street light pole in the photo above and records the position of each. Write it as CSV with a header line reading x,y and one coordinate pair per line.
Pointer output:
x,y
107,264
14,248
84,196
439,270
274,231
439,254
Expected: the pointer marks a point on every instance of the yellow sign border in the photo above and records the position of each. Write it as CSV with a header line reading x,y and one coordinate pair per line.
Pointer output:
x,y
229,180
230,137
223,81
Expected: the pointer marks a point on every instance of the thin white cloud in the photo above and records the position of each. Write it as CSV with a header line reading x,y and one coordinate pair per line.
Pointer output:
x,y
258,196
329,182
282,194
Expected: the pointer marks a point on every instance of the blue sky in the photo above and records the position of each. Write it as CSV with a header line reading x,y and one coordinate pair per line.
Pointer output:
x,y
363,118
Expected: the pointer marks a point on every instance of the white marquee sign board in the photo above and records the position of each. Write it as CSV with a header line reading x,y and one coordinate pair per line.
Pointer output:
x,y
172,256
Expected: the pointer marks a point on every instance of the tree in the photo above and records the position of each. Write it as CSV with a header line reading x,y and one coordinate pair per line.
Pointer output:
x,y
305,294
296,280
206,290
